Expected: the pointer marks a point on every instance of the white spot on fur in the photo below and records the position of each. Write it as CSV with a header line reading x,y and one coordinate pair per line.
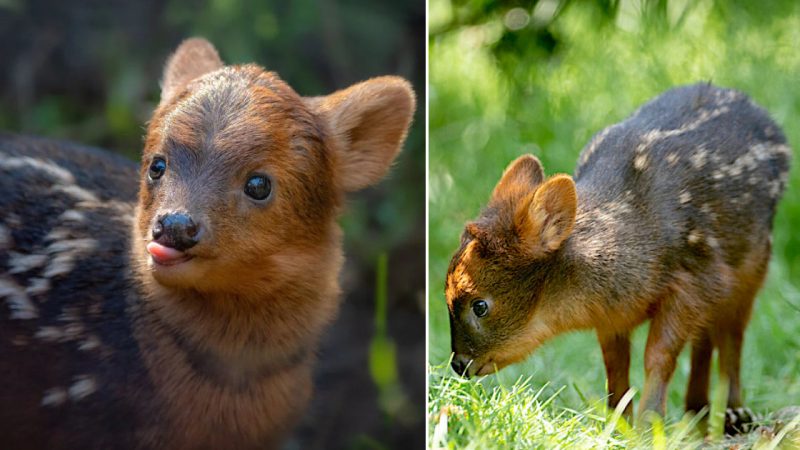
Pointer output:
x,y
49,334
646,140
695,236
775,187
749,161
60,175
77,192
704,116
706,209
712,241
73,331
594,144
20,263
783,149
70,332
64,254
18,302
727,96
672,158
63,180
685,197
57,234
601,243
640,162
54,396
37,286
83,387
72,215
14,220
618,208
90,343
699,158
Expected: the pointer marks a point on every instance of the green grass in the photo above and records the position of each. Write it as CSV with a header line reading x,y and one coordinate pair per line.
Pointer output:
x,y
484,415
494,97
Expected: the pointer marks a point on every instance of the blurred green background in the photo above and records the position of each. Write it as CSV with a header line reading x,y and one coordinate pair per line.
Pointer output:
x,y
89,71
513,77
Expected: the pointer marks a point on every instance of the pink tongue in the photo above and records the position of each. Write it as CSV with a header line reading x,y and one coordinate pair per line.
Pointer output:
x,y
163,253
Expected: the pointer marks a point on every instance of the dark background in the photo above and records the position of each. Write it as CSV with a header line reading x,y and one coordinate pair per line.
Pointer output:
x,y
88,71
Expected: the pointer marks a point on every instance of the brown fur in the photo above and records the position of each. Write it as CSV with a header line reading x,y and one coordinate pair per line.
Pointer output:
x,y
649,230
227,339
252,307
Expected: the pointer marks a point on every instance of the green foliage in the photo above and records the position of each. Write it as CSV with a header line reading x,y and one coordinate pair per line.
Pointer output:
x,y
498,91
392,399
382,351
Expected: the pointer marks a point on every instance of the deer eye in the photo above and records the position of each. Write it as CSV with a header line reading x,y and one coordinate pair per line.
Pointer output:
x,y
157,168
480,308
258,187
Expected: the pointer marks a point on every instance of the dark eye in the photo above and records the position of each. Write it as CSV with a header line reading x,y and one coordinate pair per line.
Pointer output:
x,y
480,308
157,168
258,187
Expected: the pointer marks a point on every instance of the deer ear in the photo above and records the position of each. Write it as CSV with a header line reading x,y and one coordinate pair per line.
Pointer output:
x,y
368,123
520,178
193,58
545,219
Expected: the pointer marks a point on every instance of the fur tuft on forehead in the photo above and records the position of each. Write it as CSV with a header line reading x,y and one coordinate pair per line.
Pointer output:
x,y
237,113
226,109
494,231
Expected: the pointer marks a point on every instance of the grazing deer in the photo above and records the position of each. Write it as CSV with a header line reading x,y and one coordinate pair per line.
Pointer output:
x,y
668,219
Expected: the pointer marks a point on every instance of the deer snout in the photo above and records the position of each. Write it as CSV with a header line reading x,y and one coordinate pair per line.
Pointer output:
x,y
461,364
176,230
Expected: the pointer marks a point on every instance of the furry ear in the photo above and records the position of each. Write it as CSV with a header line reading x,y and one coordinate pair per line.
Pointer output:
x,y
193,58
520,178
547,216
368,123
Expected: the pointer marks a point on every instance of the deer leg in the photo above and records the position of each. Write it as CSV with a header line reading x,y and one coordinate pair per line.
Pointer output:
x,y
664,343
617,357
697,388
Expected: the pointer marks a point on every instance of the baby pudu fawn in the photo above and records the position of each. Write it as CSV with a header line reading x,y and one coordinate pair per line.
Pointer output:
x,y
668,218
188,318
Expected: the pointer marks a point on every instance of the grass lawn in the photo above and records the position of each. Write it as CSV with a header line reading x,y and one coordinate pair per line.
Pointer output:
x,y
494,96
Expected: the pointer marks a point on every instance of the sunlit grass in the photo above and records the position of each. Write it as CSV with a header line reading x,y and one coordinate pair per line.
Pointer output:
x,y
468,414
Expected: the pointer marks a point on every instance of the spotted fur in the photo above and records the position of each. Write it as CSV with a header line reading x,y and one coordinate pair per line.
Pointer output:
x,y
672,224
99,348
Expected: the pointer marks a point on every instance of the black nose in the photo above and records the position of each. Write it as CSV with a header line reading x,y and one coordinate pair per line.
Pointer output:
x,y
460,363
176,230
